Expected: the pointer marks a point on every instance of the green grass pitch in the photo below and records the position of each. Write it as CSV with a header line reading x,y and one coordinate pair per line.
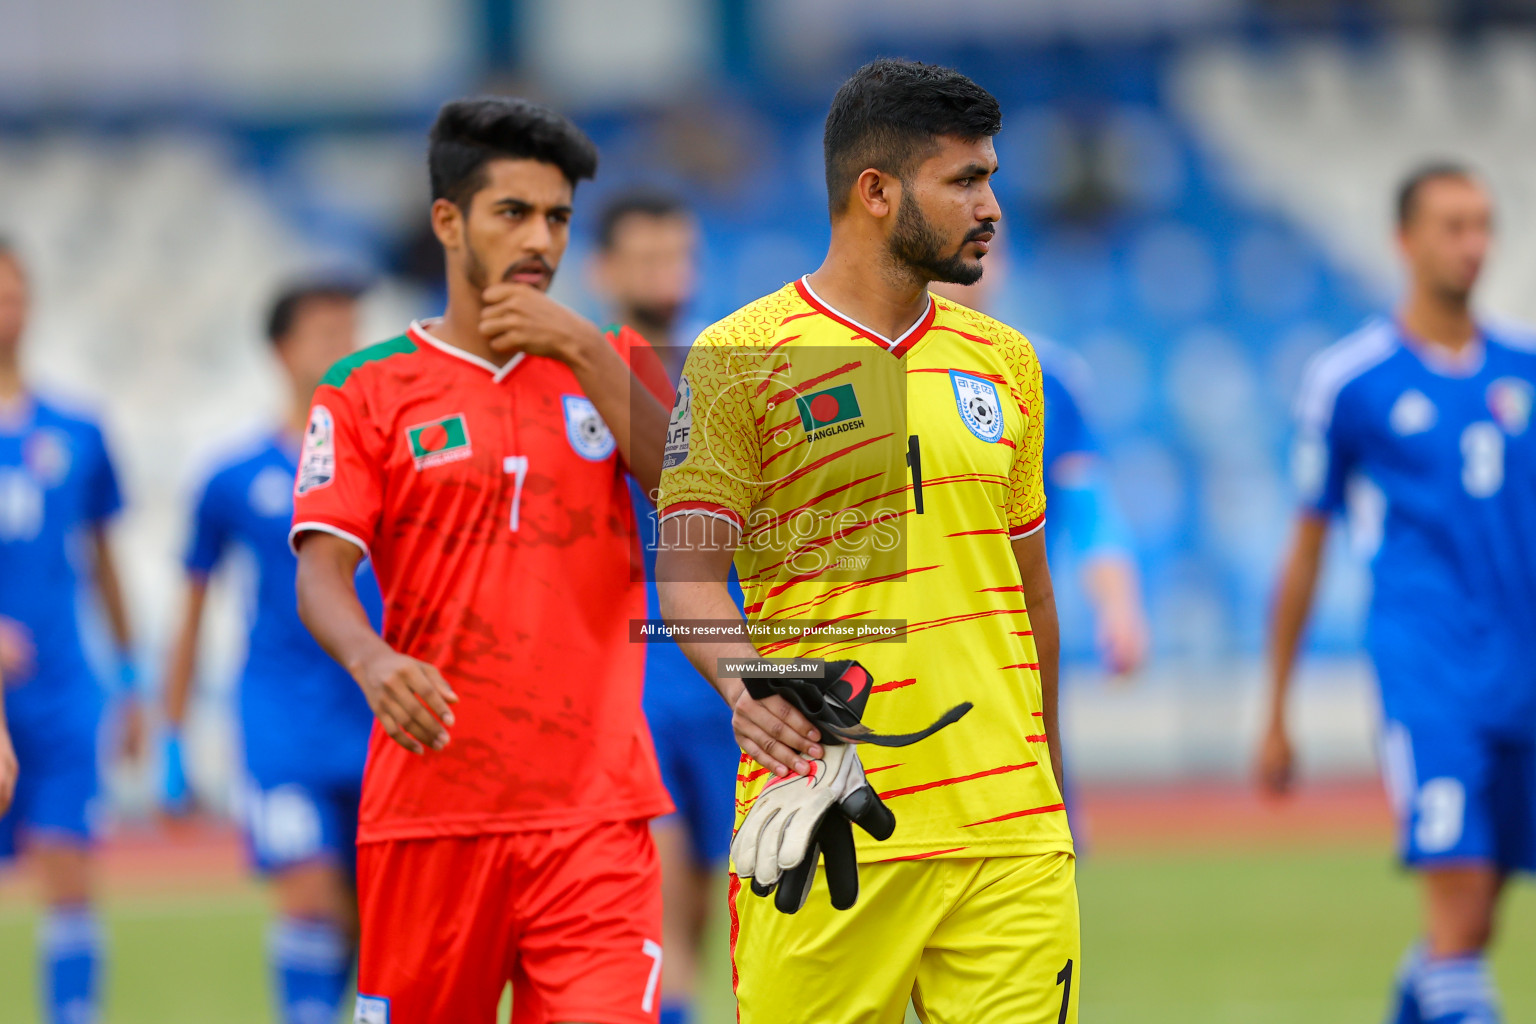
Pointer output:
x,y
1208,938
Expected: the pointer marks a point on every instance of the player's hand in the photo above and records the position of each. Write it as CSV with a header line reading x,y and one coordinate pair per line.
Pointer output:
x,y
9,768
520,318
774,734
1122,639
131,729
1277,763
410,699
17,652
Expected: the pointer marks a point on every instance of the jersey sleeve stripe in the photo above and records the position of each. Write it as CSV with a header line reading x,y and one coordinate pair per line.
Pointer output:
x,y
317,527
702,508
1028,528
1328,372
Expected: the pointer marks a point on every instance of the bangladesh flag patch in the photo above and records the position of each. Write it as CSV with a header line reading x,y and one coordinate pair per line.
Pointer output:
x,y
823,413
440,441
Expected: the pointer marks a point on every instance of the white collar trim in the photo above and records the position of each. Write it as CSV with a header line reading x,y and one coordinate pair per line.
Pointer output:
x,y
420,328
887,342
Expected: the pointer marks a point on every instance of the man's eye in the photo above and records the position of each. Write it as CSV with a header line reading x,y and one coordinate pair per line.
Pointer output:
x,y
967,182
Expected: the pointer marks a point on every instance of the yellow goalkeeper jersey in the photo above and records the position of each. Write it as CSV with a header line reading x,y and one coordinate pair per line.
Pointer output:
x,y
877,484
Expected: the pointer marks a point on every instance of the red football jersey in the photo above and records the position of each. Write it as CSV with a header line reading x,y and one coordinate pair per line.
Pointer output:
x,y
494,506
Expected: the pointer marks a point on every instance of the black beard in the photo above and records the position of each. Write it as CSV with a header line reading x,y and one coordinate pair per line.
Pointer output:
x,y
474,269
916,246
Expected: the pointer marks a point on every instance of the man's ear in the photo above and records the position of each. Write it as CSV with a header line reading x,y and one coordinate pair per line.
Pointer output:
x,y
879,193
448,223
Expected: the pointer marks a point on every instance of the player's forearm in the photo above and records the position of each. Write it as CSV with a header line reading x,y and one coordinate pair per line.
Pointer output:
x,y
707,600
693,564
329,607
634,416
1040,599
109,586
1293,603
1042,619
182,664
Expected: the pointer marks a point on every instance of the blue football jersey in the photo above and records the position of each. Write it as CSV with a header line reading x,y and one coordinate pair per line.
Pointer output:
x,y
1450,462
1078,503
56,480
303,717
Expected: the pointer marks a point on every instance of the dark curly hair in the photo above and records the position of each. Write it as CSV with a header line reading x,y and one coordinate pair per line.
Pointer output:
x,y
890,114
470,133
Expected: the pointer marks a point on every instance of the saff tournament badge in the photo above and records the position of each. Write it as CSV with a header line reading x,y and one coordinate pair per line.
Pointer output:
x,y
585,429
317,461
980,409
439,442
679,427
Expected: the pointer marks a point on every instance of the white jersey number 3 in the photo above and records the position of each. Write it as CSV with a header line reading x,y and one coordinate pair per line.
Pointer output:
x,y
1482,459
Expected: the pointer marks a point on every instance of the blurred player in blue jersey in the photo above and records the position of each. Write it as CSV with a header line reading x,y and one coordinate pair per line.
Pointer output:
x,y
1082,519
644,268
1431,410
304,722
57,492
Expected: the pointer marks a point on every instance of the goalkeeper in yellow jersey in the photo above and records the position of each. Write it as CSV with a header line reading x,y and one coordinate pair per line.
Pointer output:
x,y
870,456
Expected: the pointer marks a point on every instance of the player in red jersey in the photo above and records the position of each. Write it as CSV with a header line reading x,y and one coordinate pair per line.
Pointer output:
x,y
479,460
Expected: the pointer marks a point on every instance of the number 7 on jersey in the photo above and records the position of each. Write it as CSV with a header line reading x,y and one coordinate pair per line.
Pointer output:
x,y
517,465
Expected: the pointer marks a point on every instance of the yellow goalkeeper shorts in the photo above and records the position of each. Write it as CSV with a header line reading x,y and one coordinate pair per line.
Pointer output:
x,y
969,941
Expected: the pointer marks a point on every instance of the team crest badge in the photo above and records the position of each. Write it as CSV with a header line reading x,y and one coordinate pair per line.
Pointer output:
x,y
980,408
679,427
439,442
585,429
371,1010
1509,399
317,462
47,456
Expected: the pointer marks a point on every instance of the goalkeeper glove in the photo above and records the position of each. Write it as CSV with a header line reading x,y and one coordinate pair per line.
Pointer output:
x,y
799,819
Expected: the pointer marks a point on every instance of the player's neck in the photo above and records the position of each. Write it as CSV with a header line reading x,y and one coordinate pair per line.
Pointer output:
x,y
656,334
1438,321
864,288
460,324
297,420
13,389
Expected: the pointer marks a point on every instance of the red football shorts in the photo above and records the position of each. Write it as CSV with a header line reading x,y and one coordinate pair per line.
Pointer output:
x,y
571,917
